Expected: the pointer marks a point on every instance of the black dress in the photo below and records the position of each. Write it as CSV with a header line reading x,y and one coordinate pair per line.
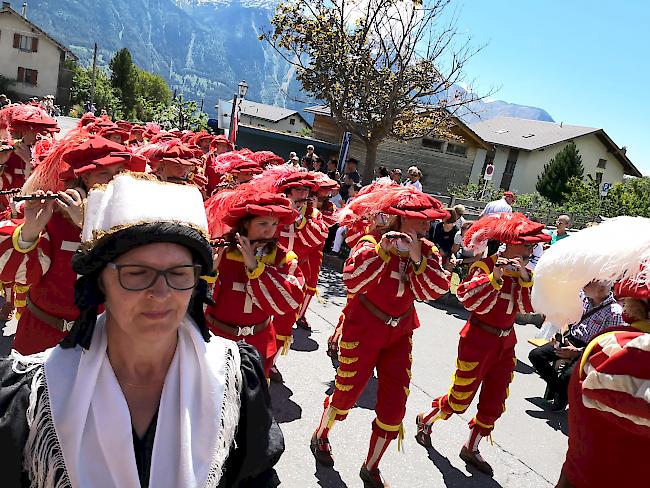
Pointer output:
x,y
257,448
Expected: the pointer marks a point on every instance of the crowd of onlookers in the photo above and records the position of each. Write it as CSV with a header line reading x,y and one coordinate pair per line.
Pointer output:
x,y
46,102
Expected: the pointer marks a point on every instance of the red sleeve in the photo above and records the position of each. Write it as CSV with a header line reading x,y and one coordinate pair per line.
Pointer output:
x,y
278,289
312,232
523,291
479,290
366,263
25,267
430,280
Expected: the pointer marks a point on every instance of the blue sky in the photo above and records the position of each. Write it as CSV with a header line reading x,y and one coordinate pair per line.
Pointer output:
x,y
585,62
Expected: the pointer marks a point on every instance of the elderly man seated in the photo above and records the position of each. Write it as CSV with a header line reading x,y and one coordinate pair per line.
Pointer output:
x,y
600,311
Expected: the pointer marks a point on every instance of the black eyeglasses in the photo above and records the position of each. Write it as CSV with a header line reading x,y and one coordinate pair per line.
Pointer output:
x,y
135,277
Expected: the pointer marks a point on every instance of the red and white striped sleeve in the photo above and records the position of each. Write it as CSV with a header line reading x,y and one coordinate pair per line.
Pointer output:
x,y
479,291
366,263
615,374
277,289
430,280
523,291
312,231
23,266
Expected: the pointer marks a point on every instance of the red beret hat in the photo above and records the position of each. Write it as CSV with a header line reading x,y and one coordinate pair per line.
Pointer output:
x,y
97,152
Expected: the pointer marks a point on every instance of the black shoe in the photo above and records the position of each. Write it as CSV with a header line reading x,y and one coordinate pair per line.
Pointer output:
x,y
475,459
322,451
372,478
303,324
423,435
275,376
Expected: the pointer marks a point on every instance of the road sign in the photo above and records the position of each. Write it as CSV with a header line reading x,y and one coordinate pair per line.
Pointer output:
x,y
605,190
489,172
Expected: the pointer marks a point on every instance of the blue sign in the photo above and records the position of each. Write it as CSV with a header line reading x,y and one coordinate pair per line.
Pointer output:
x,y
213,123
343,154
606,188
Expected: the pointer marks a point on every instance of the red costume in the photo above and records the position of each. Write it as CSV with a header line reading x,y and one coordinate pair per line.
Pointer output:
x,y
247,303
486,349
379,320
609,398
41,272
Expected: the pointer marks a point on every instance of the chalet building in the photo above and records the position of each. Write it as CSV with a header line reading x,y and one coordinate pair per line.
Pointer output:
x,y
442,162
521,148
32,59
263,116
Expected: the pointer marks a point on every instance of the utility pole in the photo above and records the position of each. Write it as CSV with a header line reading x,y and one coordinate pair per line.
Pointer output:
x,y
92,85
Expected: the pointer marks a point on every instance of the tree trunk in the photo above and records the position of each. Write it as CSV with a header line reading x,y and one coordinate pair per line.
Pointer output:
x,y
371,159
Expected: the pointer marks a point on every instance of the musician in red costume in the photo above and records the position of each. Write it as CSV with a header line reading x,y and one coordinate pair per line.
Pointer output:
x,y
37,247
219,145
386,272
23,124
172,161
496,288
609,392
257,280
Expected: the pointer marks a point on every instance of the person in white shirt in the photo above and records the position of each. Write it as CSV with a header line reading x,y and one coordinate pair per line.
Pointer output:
x,y
414,175
502,205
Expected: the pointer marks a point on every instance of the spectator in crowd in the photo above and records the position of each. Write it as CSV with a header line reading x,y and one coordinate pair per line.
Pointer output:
x,y
4,100
464,254
502,205
293,159
340,232
396,176
562,223
318,165
332,169
443,236
309,158
414,175
600,311
351,176
460,211
382,173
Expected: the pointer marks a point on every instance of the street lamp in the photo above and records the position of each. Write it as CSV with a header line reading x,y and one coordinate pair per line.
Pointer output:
x,y
234,116
243,89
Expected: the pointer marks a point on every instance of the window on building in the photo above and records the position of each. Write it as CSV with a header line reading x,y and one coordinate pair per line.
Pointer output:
x,y
432,144
602,163
292,121
27,76
509,171
26,43
457,149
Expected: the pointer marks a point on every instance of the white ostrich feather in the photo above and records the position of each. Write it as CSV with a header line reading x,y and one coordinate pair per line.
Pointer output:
x,y
614,250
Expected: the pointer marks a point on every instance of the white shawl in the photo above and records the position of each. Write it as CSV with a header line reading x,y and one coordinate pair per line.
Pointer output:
x,y
197,418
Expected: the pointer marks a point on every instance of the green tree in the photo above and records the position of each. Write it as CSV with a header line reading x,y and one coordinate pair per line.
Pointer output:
x,y
386,68
553,182
105,97
151,90
180,114
632,197
124,78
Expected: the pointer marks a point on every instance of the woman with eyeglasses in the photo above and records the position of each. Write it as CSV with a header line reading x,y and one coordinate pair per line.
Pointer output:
x,y
142,394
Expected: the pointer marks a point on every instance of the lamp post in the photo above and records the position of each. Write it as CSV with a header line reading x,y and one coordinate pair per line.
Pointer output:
x,y
236,101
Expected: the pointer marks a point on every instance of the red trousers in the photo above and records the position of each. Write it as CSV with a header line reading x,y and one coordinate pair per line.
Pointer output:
x,y
364,347
34,336
263,341
485,360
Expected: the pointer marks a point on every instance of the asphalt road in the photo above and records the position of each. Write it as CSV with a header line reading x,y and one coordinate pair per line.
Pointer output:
x,y
529,443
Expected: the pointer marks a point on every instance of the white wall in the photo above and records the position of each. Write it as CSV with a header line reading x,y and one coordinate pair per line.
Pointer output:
x,y
591,149
281,126
46,60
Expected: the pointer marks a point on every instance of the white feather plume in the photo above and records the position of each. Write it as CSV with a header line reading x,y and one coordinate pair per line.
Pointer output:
x,y
614,250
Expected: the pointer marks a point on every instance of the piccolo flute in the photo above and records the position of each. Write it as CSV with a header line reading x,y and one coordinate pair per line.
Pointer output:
x,y
28,198
224,243
12,191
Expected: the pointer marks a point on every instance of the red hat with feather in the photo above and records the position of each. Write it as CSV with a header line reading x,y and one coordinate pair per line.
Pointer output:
x,y
20,117
282,178
227,207
220,139
266,158
171,151
116,131
506,227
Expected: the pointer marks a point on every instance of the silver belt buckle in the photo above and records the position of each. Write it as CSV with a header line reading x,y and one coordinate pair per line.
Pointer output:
x,y
392,321
67,325
505,332
245,331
